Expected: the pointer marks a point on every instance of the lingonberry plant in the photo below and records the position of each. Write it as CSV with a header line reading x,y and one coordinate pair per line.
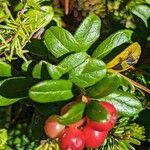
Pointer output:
x,y
64,66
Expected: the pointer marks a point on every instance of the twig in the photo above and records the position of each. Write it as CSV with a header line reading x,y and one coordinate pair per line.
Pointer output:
x,y
66,7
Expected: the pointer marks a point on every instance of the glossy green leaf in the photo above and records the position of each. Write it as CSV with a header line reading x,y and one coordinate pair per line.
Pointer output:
x,y
104,87
88,31
36,73
37,47
74,114
4,101
40,70
51,91
54,71
5,69
143,12
72,61
60,42
114,40
88,73
8,101
126,103
96,112
16,87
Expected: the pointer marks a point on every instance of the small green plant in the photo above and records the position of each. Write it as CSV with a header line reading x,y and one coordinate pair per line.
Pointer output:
x,y
64,66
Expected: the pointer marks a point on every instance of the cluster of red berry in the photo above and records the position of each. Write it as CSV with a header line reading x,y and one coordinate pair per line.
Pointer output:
x,y
85,132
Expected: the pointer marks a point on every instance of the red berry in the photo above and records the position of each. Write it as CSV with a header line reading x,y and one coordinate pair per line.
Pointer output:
x,y
108,125
94,138
52,127
72,139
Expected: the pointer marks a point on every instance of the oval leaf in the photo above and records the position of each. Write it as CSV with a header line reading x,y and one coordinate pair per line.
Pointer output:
x,y
126,59
40,71
88,73
72,61
143,12
74,114
5,69
37,47
59,41
54,71
36,73
88,31
104,87
16,87
7,101
114,40
126,103
51,91
96,112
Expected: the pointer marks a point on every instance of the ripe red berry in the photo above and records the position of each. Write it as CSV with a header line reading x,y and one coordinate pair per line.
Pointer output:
x,y
107,125
72,139
93,138
52,127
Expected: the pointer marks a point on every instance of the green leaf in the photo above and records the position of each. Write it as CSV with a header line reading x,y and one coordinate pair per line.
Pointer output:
x,y
14,89
5,69
114,40
74,114
25,65
88,73
88,31
54,71
104,87
59,41
126,85
96,112
40,71
72,61
143,12
37,47
126,103
7,101
51,91
36,73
